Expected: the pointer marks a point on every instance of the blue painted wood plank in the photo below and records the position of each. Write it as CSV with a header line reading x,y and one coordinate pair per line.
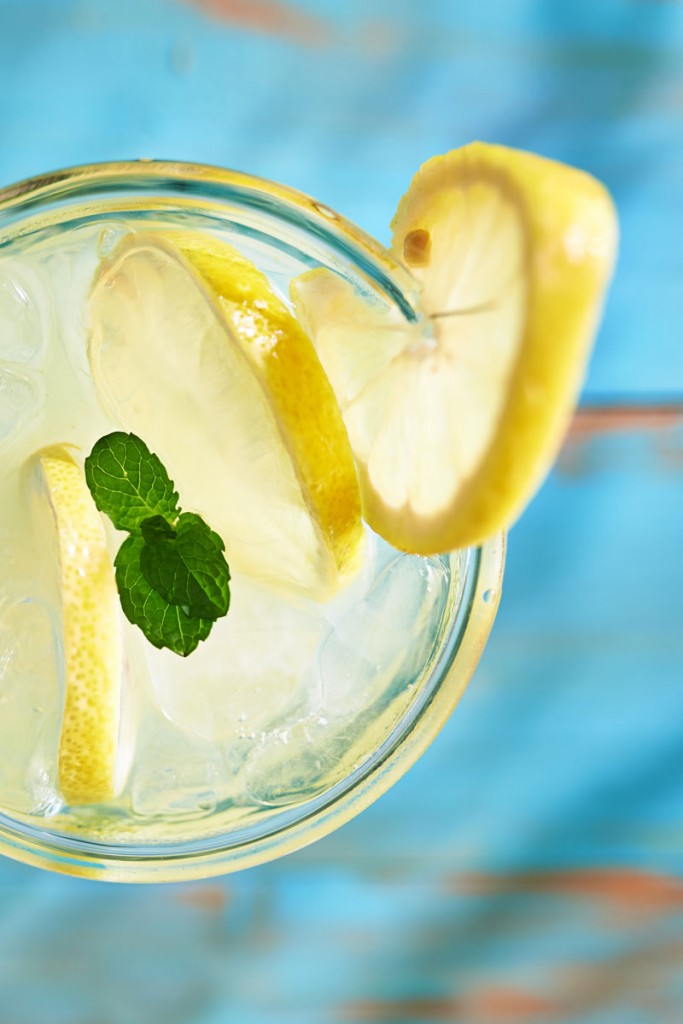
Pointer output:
x,y
349,110
530,867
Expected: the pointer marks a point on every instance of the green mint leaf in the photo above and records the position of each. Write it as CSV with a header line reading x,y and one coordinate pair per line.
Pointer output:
x,y
156,528
188,570
164,624
128,483
171,573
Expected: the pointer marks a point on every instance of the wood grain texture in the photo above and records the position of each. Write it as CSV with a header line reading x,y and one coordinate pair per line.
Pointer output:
x,y
529,868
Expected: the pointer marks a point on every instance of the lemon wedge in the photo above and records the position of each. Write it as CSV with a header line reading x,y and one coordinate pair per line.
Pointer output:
x,y
92,645
454,420
192,350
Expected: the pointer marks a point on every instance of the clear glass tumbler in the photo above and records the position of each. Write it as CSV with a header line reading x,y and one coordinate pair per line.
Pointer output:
x,y
53,230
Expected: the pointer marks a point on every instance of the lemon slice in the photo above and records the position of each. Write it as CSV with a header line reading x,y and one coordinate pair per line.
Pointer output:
x,y
455,419
192,350
92,646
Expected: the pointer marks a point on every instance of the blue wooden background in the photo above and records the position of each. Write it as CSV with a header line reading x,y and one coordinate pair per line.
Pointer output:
x,y
530,867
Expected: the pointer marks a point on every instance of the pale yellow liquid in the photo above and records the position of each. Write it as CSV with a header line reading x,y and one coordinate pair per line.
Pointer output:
x,y
285,699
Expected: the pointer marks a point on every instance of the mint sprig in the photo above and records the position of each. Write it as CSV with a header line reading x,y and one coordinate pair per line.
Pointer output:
x,y
171,573
188,570
164,624
128,483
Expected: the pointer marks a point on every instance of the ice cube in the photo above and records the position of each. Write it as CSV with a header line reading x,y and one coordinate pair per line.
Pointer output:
x,y
20,398
257,663
296,763
383,642
373,654
175,774
21,336
30,705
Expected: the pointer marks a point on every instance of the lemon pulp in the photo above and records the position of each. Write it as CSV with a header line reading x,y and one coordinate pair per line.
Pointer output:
x,y
191,350
92,645
455,420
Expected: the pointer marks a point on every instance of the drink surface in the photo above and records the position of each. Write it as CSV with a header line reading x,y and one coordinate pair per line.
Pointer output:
x,y
287,698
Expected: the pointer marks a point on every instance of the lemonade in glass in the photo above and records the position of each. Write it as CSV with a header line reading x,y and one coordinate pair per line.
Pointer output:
x,y
233,606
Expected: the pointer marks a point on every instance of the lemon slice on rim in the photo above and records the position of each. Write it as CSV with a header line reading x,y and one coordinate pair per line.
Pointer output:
x,y
191,349
92,644
455,420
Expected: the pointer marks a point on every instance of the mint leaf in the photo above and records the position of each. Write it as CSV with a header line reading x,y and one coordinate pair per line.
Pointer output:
x,y
164,624
128,483
156,528
188,570
171,573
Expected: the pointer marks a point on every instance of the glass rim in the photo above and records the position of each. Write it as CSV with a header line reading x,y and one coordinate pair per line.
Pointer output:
x,y
459,653
199,180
